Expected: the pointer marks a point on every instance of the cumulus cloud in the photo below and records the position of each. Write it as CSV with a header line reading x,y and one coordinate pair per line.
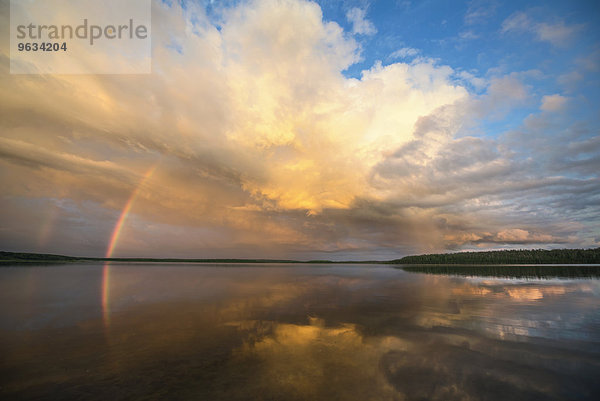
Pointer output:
x,y
521,236
360,25
553,103
263,148
516,185
252,127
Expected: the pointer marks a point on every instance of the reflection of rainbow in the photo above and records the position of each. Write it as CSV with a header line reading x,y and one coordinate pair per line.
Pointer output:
x,y
111,247
105,306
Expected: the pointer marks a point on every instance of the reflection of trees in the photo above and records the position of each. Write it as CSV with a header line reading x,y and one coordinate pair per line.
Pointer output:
x,y
508,271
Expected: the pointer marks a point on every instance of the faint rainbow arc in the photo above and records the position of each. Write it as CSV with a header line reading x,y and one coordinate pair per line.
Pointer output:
x,y
117,230
114,238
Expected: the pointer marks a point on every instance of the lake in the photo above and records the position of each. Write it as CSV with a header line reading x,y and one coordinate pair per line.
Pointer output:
x,y
294,332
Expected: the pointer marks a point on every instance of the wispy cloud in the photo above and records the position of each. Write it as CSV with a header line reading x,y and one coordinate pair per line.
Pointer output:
x,y
557,34
479,11
467,35
360,24
405,52
477,82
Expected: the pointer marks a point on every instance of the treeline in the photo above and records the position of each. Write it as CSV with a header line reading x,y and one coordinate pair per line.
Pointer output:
x,y
511,257
521,256
22,257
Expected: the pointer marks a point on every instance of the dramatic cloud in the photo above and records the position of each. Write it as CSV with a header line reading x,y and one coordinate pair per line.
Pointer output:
x,y
262,147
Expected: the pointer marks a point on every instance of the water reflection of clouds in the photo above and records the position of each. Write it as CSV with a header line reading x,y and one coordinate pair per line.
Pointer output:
x,y
321,334
368,297
460,340
520,310
520,291
315,361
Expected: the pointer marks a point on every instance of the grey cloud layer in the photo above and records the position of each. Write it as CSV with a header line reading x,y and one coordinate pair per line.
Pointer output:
x,y
262,147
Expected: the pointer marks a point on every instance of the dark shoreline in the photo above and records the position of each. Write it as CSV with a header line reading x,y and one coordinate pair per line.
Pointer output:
x,y
490,258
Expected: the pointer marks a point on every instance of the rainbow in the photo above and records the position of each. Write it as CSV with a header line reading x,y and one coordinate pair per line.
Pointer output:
x,y
117,230
114,238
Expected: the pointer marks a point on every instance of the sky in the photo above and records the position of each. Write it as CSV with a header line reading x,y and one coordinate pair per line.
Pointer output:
x,y
315,130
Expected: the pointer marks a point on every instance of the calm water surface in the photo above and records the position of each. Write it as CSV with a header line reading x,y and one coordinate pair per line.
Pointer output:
x,y
293,332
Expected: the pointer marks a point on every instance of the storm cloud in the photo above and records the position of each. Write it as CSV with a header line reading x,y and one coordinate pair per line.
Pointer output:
x,y
263,147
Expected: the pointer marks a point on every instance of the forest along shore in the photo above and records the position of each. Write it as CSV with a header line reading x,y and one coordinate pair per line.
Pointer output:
x,y
504,257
